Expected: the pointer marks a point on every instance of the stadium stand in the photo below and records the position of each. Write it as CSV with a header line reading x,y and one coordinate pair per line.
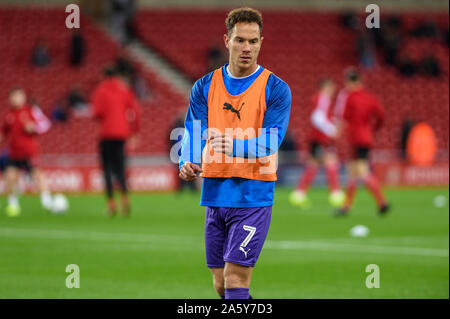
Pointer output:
x,y
301,47
50,84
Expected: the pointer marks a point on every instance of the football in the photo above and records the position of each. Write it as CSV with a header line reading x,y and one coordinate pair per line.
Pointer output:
x,y
60,204
359,231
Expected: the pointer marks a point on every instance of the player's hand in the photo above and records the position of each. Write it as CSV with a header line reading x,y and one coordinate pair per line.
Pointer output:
x,y
335,134
188,171
222,143
339,129
29,127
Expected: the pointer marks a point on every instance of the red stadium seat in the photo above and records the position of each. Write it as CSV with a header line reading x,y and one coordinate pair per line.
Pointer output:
x,y
51,84
300,47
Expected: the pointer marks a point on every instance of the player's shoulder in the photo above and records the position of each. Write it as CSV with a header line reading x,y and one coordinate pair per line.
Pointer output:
x,y
365,92
275,81
101,86
201,86
369,95
277,88
204,80
9,116
113,83
27,108
359,93
315,98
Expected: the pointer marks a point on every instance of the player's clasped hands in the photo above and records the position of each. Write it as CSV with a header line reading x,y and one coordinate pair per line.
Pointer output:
x,y
188,171
222,143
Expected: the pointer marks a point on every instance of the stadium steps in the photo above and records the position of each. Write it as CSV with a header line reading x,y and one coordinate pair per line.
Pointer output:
x,y
150,59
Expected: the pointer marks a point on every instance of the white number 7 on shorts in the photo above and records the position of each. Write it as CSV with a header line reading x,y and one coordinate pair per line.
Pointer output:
x,y
252,231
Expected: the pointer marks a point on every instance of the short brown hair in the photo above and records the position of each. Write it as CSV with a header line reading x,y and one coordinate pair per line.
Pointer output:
x,y
243,15
14,89
352,75
324,81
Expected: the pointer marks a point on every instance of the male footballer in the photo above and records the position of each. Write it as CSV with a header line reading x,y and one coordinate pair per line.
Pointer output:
x,y
235,123
322,149
20,128
363,115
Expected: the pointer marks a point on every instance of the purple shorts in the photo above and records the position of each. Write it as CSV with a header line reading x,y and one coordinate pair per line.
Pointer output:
x,y
235,235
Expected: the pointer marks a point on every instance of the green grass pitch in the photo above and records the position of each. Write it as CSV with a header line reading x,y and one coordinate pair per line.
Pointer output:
x,y
159,251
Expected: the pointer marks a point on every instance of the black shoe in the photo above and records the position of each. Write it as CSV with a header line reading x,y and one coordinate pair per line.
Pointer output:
x,y
341,212
384,209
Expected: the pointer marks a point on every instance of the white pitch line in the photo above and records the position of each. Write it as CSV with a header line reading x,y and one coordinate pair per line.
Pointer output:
x,y
360,248
91,236
186,240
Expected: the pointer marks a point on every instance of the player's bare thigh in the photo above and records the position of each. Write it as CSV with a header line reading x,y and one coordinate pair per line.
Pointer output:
x,y
329,158
362,167
358,168
312,161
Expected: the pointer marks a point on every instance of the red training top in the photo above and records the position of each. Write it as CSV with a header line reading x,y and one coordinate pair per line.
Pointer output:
x,y
22,145
363,114
116,106
323,128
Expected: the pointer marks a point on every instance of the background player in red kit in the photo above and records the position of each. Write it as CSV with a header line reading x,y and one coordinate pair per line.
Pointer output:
x,y
363,115
19,129
322,151
117,109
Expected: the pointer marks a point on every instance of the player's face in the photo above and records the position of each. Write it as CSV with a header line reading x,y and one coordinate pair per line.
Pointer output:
x,y
330,88
244,44
17,98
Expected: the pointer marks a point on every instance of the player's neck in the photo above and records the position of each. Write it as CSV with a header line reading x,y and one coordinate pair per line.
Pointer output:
x,y
355,87
239,72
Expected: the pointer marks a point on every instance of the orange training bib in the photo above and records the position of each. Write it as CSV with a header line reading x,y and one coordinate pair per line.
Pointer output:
x,y
240,116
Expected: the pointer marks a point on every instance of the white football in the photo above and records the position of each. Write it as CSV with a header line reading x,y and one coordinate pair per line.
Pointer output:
x,y
440,201
60,204
359,231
